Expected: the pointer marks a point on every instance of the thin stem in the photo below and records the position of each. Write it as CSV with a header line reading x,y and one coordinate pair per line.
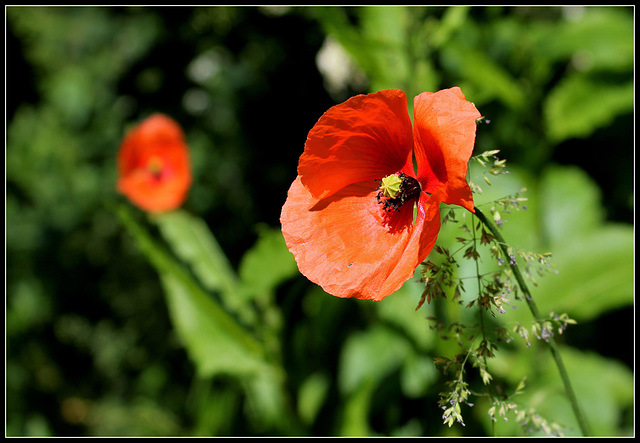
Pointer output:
x,y
481,314
555,352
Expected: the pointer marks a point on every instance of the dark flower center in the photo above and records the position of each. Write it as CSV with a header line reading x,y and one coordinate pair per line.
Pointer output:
x,y
396,190
155,167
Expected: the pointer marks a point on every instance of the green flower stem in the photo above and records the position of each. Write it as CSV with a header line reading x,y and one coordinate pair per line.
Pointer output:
x,y
555,352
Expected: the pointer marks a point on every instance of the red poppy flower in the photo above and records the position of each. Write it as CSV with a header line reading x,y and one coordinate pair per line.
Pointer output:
x,y
358,218
153,165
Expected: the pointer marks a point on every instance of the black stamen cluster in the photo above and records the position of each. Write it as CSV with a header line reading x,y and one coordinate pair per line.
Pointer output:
x,y
409,188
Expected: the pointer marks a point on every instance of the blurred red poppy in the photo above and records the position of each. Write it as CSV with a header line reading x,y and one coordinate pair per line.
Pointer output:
x,y
153,165
358,218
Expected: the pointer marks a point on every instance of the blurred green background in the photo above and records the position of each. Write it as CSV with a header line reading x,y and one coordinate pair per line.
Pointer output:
x,y
93,347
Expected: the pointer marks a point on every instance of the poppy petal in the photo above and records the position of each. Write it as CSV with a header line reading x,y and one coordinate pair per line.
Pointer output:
x,y
444,131
351,247
365,138
153,165
148,138
150,194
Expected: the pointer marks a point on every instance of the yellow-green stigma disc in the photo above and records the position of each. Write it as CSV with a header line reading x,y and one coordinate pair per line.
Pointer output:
x,y
390,185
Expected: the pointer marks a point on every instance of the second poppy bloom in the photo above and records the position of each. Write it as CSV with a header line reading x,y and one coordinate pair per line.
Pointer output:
x,y
359,218
153,165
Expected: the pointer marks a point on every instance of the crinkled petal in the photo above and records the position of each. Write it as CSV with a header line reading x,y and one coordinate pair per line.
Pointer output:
x,y
365,138
350,247
445,131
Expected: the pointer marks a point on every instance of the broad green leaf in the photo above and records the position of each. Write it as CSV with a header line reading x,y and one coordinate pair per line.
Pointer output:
x,y
216,405
267,264
580,104
214,340
192,241
311,396
266,402
370,356
354,416
603,387
484,79
595,274
418,373
520,227
399,310
452,20
594,260
571,204
592,38
389,47
381,55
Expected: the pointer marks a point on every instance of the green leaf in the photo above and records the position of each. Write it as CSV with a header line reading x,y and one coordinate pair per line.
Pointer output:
x,y
400,312
453,19
311,395
484,79
214,340
418,374
381,55
267,264
571,204
564,216
354,416
579,105
603,386
594,260
370,356
595,274
192,241
267,403
592,38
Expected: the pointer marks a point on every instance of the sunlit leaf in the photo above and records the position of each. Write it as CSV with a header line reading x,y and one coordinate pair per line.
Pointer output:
x,y
592,38
370,356
192,241
484,77
602,387
594,259
267,402
215,341
311,396
355,410
579,105
267,263
571,203
381,55
595,274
